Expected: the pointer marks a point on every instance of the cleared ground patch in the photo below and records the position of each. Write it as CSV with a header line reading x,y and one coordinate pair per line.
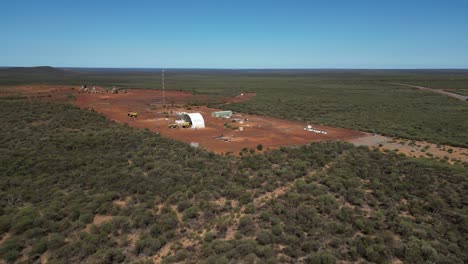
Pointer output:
x,y
217,137
414,148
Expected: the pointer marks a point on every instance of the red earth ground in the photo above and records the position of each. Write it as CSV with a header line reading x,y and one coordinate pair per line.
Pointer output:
x,y
269,132
55,93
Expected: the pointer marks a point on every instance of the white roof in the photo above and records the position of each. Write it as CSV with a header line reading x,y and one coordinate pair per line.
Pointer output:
x,y
196,119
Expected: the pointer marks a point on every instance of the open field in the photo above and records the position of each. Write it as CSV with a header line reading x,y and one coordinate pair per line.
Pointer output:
x,y
268,132
77,187
242,158
361,100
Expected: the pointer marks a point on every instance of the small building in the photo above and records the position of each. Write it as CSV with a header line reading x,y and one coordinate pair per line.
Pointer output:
x,y
222,114
195,119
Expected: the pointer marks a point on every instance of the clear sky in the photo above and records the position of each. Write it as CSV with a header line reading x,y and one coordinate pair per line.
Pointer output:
x,y
235,33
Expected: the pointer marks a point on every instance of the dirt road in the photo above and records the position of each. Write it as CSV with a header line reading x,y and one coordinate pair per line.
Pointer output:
x,y
453,95
413,148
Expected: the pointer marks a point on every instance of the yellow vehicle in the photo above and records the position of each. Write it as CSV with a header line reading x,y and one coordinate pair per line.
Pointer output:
x,y
173,125
132,114
179,125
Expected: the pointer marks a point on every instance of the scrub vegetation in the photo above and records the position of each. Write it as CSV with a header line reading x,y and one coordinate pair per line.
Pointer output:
x,y
369,106
357,99
76,187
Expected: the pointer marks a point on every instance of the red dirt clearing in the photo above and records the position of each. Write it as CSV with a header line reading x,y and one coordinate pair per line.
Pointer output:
x,y
54,93
34,90
270,132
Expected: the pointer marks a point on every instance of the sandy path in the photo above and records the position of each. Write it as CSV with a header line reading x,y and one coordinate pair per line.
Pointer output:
x,y
164,251
413,148
450,94
4,238
266,197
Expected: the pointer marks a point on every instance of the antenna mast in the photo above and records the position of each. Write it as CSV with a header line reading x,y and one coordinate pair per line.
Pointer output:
x,y
164,92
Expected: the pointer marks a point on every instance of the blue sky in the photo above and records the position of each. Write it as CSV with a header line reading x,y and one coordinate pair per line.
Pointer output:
x,y
235,34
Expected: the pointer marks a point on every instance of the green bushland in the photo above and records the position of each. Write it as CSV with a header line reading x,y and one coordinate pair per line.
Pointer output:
x,y
61,166
357,99
364,105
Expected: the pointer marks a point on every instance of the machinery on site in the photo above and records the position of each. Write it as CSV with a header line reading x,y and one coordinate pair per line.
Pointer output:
x,y
309,128
222,114
84,88
133,114
223,138
179,124
188,120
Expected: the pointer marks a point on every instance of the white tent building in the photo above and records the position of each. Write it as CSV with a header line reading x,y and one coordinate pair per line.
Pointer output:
x,y
195,119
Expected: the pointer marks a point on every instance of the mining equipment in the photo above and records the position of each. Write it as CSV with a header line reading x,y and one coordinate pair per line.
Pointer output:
x,y
311,129
84,88
133,114
179,125
223,138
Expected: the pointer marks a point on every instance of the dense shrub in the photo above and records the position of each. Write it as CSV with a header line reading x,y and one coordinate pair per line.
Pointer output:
x,y
84,189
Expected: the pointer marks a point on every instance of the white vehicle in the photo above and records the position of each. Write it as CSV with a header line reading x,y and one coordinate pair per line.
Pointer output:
x,y
311,129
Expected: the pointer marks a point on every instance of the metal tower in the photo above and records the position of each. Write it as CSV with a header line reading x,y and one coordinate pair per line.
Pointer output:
x,y
164,90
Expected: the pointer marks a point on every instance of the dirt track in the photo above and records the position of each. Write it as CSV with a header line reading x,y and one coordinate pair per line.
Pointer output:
x,y
450,94
413,148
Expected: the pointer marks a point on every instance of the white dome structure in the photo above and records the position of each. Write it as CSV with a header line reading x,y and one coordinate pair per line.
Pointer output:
x,y
195,119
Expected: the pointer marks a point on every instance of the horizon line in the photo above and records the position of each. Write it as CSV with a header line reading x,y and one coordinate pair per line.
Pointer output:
x,y
240,68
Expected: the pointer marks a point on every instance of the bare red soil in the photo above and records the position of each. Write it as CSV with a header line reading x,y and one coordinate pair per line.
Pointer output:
x,y
269,132
55,93
32,90
216,137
